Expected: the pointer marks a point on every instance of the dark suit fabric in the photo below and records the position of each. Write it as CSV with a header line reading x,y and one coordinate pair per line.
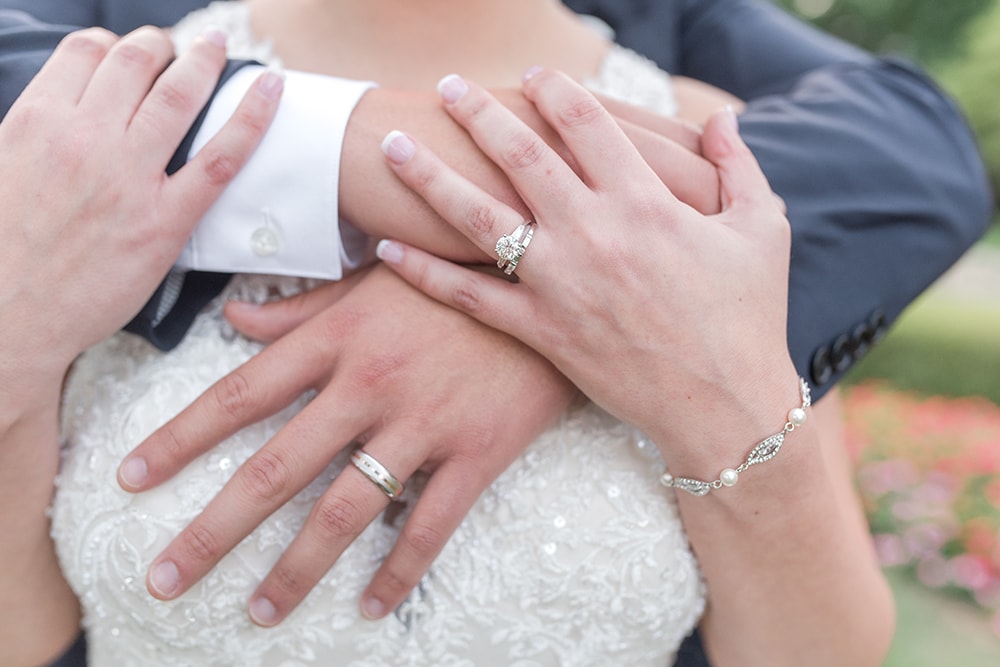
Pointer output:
x,y
883,181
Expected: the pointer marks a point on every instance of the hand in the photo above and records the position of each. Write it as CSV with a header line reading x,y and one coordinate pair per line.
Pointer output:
x,y
658,313
91,221
423,386
378,204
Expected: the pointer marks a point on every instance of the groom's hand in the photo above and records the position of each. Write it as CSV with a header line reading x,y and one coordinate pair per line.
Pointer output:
x,y
90,221
424,387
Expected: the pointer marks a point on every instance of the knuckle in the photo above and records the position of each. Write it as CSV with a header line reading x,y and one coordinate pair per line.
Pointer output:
x,y
233,395
200,544
581,111
252,119
473,105
422,540
175,98
422,177
169,444
285,579
482,219
378,370
92,42
220,169
522,151
265,476
135,55
394,583
466,298
336,517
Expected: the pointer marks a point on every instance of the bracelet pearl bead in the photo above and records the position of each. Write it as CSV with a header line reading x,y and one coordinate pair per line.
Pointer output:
x,y
764,451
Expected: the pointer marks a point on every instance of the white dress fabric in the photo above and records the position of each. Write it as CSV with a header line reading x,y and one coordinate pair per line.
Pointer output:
x,y
574,556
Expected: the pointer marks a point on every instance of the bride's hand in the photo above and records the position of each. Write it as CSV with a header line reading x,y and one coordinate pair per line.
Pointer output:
x,y
662,315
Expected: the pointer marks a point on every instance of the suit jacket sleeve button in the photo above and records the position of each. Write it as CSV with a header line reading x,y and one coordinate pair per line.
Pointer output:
x,y
820,368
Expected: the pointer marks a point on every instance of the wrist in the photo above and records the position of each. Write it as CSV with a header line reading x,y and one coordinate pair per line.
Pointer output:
x,y
724,421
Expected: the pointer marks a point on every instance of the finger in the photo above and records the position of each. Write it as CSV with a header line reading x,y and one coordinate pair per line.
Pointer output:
x,y
679,131
261,387
690,177
72,65
494,302
126,75
478,216
199,183
537,172
265,482
449,495
602,151
270,321
351,503
742,182
181,91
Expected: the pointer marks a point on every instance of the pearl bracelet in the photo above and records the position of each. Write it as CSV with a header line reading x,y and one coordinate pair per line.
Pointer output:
x,y
765,451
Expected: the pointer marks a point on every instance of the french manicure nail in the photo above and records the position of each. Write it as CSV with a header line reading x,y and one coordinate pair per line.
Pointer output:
x,y
164,577
530,73
271,84
372,608
215,36
389,251
134,472
732,118
452,88
263,612
398,147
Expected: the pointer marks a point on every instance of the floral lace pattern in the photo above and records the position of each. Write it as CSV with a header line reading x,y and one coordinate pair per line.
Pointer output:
x,y
574,556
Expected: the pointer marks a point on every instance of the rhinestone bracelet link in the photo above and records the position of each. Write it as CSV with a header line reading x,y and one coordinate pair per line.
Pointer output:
x,y
766,450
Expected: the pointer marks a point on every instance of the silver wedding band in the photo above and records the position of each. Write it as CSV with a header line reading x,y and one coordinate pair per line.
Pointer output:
x,y
510,248
378,474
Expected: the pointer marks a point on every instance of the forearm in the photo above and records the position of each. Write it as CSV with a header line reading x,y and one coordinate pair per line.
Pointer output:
x,y
375,201
786,554
40,615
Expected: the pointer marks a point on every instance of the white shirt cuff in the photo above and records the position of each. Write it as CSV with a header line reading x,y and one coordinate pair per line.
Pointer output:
x,y
280,215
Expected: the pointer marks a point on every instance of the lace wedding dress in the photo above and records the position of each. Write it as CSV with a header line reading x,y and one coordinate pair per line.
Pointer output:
x,y
574,556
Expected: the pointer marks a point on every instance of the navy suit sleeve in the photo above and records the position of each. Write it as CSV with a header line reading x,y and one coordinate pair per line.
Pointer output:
x,y
26,42
884,183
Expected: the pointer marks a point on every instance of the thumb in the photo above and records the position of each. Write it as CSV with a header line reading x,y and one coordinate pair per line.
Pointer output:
x,y
742,182
270,321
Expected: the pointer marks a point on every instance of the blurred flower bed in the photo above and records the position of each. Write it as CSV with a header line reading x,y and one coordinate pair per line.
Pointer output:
x,y
928,470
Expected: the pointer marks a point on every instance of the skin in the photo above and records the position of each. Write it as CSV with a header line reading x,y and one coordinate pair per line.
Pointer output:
x,y
262,387
704,373
92,211
460,466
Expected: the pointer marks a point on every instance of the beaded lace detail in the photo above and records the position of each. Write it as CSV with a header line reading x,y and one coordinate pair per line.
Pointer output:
x,y
574,556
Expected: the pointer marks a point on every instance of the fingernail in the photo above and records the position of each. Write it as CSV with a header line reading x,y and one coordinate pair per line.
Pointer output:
x,y
271,84
731,117
389,251
263,612
215,36
164,577
372,608
134,472
452,87
398,147
530,73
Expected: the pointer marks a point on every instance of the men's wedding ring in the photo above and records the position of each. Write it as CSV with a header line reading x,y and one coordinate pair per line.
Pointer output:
x,y
510,248
378,474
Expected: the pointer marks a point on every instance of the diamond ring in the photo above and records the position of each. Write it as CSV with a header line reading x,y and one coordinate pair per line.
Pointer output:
x,y
510,248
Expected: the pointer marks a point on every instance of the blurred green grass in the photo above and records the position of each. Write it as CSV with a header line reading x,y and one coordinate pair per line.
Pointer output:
x,y
934,630
946,343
